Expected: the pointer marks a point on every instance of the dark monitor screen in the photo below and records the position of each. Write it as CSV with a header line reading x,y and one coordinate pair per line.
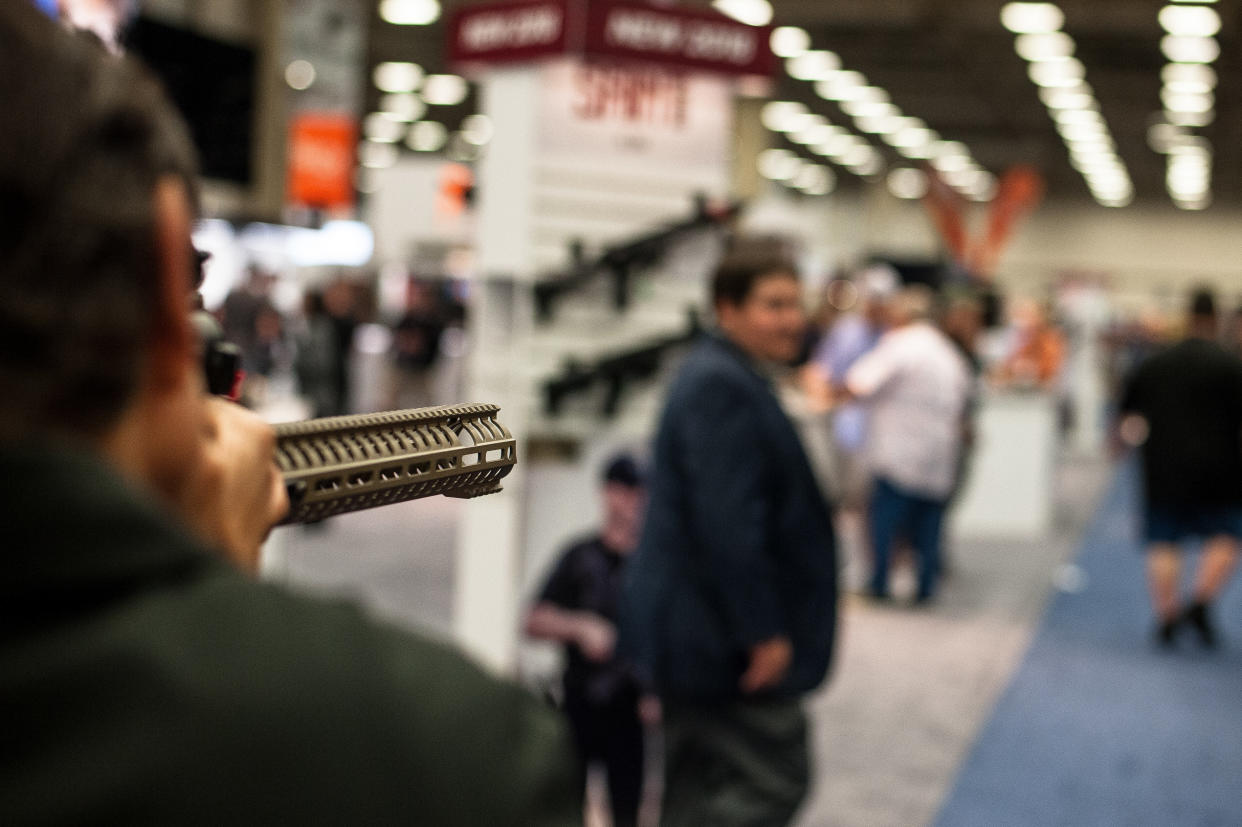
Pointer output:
x,y
212,83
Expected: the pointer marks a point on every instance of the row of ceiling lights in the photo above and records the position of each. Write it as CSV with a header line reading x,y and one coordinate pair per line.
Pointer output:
x,y
873,112
408,93
1071,102
1188,97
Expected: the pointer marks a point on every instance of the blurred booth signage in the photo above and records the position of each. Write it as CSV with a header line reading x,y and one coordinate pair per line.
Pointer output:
x,y
649,115
701,40
321,160
509,32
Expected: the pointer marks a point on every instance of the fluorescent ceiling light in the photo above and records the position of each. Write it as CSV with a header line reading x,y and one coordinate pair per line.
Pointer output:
x,y
869,109
1057,73
409,12
1031,18
1082,131
300,74
803,121
1045,46
804,125
912,136
872,166
1187,101
1186,144
839,144
1188,73
839,84
813,65
1162,136
858,155
948,148
778,164
382,128
404,106
789,41
1193,21
864,94
814,179
917,153
779,116
1190,118
427,136
445,90
1077,116
1076,97
877,125
750,12
951,163
397,77
816,134
1180,49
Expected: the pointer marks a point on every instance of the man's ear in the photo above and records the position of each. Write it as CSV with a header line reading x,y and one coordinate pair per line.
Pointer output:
x,y
172,337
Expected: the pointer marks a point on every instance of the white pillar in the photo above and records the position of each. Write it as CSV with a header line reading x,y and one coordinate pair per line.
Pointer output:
x,y
489,548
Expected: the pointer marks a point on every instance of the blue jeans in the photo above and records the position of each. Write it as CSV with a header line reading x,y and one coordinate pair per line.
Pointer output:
x,y
896,513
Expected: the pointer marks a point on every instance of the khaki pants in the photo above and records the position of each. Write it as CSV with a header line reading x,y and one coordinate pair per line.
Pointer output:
x,y
744,763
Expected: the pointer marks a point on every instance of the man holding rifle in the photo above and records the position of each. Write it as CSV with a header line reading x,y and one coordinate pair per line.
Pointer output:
x,y
144,679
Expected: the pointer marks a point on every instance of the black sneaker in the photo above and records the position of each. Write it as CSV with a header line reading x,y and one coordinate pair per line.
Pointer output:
x,y
1197,616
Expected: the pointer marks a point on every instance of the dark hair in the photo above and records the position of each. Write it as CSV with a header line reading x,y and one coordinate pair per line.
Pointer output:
x,y
745,262
624,469
86,138
1203,302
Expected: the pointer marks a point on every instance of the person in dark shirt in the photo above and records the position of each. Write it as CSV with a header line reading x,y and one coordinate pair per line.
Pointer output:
x,y
1184,407
603,697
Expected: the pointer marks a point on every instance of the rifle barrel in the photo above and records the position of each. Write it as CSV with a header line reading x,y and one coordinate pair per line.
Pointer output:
x,y
339,464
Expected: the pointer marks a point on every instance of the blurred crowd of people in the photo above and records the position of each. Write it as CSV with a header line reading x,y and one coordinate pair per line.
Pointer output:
x,y
316,347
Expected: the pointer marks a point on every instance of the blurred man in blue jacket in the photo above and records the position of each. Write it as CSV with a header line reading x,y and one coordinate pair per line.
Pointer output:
x,y
730,602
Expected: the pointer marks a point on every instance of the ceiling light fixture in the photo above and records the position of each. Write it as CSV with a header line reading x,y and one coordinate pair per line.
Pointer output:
x,y
409,12
395,76
1182,49
813,65
1192,21
427,136
750,12
1031,18
1044,46
403,106
445,90
789,41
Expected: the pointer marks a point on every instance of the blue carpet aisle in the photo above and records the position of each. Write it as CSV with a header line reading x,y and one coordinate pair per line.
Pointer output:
x,y
1098,726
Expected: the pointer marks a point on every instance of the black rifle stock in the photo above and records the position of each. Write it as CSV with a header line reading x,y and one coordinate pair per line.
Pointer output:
x,y
339,464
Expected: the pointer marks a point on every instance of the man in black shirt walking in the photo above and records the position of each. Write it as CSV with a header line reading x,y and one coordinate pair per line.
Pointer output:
x,y
1184,407
603,699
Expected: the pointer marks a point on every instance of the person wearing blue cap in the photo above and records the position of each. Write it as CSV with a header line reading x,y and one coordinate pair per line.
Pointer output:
x,y
604,698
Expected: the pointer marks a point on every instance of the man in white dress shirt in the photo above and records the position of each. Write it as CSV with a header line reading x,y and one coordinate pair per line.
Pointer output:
x,y
916,384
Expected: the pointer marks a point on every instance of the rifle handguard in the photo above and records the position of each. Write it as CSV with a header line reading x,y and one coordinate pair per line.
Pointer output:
x,y
339,464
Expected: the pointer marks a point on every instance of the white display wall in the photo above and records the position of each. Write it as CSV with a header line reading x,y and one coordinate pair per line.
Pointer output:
x,y
597,155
